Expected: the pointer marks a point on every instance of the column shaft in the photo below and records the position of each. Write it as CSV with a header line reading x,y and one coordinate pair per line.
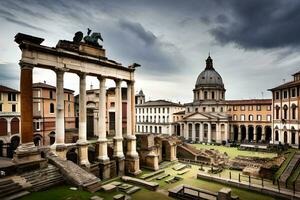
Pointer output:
x,y
26,104
201,132
82,108
59,120
118,145
209,133
102,151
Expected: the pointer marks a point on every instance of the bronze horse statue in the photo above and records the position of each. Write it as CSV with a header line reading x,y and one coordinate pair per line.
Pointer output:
x,y
89,39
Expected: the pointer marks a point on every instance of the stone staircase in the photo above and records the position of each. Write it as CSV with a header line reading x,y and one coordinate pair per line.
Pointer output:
x,y
290,168
41,179
10,189
74,174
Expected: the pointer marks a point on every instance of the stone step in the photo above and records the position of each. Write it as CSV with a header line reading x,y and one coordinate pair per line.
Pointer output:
x,y
38,172
42,176
8,191
133,190
5,181
16,195
51,176
9,185
47,185
35,184
94,187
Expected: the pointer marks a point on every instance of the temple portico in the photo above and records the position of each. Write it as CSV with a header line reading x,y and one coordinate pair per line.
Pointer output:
x,y
84,60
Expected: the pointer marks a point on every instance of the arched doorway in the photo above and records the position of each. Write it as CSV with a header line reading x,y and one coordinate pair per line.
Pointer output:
x,y
235,133
276,135
258,133
251,133
3,127
268,131
190,132
52,137
205,132
15,126
243,132
285,137
72,155
293,136
197,129
14,143
37,139
177,129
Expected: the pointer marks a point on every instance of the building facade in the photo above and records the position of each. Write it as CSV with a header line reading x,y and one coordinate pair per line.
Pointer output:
x,y
286,112
9,120
44,114
213,119
155,116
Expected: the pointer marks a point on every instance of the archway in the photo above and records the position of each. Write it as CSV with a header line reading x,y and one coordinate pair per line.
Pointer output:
x,y
235,133
250,133
14,143
258,133
268,131
293,136
38,140
285,137
243,132
52,137
15,126
178,130
3,127
72,155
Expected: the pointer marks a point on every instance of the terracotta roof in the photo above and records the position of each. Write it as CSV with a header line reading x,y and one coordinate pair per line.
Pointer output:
x,y
7,89
47,86
159,103
287,85
249,101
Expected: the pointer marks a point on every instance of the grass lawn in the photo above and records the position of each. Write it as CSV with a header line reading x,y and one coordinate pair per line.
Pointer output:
x,y
233,151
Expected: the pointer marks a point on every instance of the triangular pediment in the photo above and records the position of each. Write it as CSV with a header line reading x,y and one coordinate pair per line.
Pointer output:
x,y
197,116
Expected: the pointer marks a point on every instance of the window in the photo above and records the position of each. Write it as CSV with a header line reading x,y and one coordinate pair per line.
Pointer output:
x,y
13,108
269,118
69,108
222,110
250,117
242,107
168,110
276,135
293,94
250,108
205,94
213,109
51,108
69,98
258,117
158,110
204,108
258,108
213,95
235,117
154,110
0,96
242,117
277,95
12,97
51,94
285,94
277,108
1,107
235,108
37,126
269,107
163,110
196,109
39,106
294,111
285,108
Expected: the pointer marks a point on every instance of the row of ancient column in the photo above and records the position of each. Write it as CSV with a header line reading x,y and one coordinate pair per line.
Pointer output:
x,y
101,132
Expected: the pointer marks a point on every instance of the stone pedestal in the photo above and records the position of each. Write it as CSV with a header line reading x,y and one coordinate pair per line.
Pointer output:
x,y
132,166
102,150
120,166
105,170
83,154
152,161
118,147
60,150
224,194
27,157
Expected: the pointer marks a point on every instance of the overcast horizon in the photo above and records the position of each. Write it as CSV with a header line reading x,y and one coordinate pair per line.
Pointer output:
x,y
254,44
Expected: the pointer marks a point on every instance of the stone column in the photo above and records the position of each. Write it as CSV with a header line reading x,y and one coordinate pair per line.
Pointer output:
x,y
247,133
209,133
59,119
26,103
201,132
118,146
218,133
102,148
132,164
9,126
254,134
82,142
240,134
227,134
193,132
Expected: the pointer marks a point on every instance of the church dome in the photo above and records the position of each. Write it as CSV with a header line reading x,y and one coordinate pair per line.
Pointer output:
x,y
209,77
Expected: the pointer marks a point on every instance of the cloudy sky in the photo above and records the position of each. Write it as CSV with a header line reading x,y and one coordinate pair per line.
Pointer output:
x,y
255,44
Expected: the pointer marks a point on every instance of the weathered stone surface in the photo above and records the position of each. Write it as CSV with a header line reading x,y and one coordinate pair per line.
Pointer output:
x,y
109,187
147,184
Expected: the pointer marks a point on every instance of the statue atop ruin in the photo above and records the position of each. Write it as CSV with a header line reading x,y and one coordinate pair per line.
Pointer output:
x,y
90,39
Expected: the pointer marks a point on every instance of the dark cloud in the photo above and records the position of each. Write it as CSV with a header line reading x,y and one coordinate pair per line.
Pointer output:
x,y
10,74
5,13
259,24
147,36
24,24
